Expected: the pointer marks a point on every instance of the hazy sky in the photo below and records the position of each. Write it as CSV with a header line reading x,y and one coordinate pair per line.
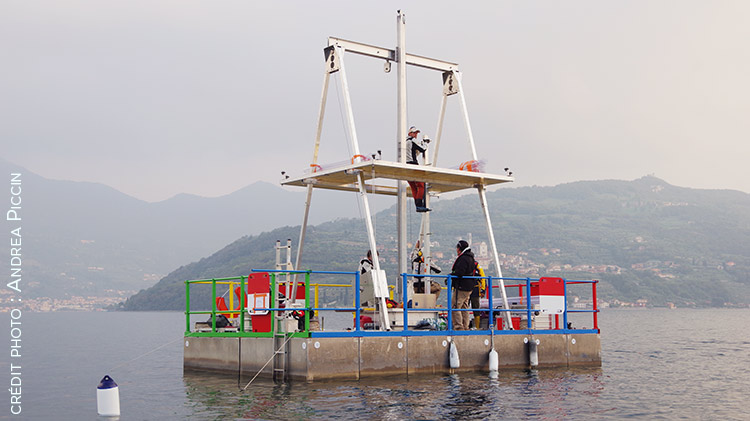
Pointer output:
x,y
160,97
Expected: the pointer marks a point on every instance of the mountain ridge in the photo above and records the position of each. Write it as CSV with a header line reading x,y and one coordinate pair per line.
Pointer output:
x,y
659,242
86,239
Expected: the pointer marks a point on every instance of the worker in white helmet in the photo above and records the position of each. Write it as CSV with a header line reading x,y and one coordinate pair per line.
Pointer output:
x,y
414,148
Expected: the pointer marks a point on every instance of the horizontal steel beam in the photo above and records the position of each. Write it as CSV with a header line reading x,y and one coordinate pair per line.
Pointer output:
x,y
388,54
375,189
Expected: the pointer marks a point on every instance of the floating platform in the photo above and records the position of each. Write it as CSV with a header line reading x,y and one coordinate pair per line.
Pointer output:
x,y
272,333
263,338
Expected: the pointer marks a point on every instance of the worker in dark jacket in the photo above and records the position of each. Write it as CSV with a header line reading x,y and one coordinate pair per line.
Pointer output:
x,y
462,287
414,148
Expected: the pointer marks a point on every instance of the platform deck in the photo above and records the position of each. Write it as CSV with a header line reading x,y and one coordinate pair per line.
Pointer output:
x,y
375,172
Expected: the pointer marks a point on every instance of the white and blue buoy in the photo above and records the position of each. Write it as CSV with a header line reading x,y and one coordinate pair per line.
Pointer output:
x,y
108,398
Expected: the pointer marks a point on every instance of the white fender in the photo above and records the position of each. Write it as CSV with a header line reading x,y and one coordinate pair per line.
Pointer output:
x,y
494,363
533,353
455,362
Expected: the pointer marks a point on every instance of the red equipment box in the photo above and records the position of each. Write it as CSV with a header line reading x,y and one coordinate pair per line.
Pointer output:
x,y
259,283
514,320
548,286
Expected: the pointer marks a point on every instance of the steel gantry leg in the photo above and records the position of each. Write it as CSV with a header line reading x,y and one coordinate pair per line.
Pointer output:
x,y
465,113
385,324
308,198
491,235
439,130
483,200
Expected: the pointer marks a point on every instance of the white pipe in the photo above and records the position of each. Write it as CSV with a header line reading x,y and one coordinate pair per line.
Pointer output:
x,y
439,130
347,102
308,198
361,183
465,113
491,236
401,142
385,325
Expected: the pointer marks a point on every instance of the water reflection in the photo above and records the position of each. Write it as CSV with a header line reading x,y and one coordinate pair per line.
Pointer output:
x,y
467,397
213,395
535,393
701,371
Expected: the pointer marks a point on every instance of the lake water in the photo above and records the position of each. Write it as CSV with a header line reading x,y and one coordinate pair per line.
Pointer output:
x,y
657,364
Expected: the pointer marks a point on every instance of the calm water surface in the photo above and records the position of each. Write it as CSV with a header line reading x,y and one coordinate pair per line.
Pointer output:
x,y
657,364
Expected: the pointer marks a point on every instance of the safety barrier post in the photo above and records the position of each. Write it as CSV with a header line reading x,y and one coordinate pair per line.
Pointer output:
x,y
187,306
231,297
307,301
450,303
596,307
491,320
243,310
357,303
565,303
528,304
213,305
273,303
316,298
405,304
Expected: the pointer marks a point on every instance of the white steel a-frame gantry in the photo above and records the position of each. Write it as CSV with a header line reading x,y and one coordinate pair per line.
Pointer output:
x,y
355,174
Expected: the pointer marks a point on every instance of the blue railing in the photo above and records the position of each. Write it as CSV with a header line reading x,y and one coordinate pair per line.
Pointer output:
x,y
404,331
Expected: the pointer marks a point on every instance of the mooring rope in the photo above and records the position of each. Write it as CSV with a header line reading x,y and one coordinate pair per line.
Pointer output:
x,y
267,362
149,352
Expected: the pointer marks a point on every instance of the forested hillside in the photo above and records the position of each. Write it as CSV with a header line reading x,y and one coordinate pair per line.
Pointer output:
x,y
643,239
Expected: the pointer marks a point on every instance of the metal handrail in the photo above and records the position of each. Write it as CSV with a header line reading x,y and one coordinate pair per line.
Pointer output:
x,y
356,309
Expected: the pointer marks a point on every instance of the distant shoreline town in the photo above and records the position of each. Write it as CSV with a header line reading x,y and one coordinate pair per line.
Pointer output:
x,y
74,303
91,303
519,264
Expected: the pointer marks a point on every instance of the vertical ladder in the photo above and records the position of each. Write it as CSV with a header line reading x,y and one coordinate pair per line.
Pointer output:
x,y
280,356
290,290
280,336
279,344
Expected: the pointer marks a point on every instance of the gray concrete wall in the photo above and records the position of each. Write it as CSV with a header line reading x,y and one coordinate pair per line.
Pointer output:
x,y
332,358
552,350
382,356
427,354
205,353
511,351
352,358
255,354
584,350
298,361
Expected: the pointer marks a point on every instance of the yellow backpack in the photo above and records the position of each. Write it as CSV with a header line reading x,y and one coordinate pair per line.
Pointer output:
x,y
481,283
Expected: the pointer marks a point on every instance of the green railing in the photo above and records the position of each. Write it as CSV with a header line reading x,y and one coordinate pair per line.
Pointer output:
x,y
242,311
